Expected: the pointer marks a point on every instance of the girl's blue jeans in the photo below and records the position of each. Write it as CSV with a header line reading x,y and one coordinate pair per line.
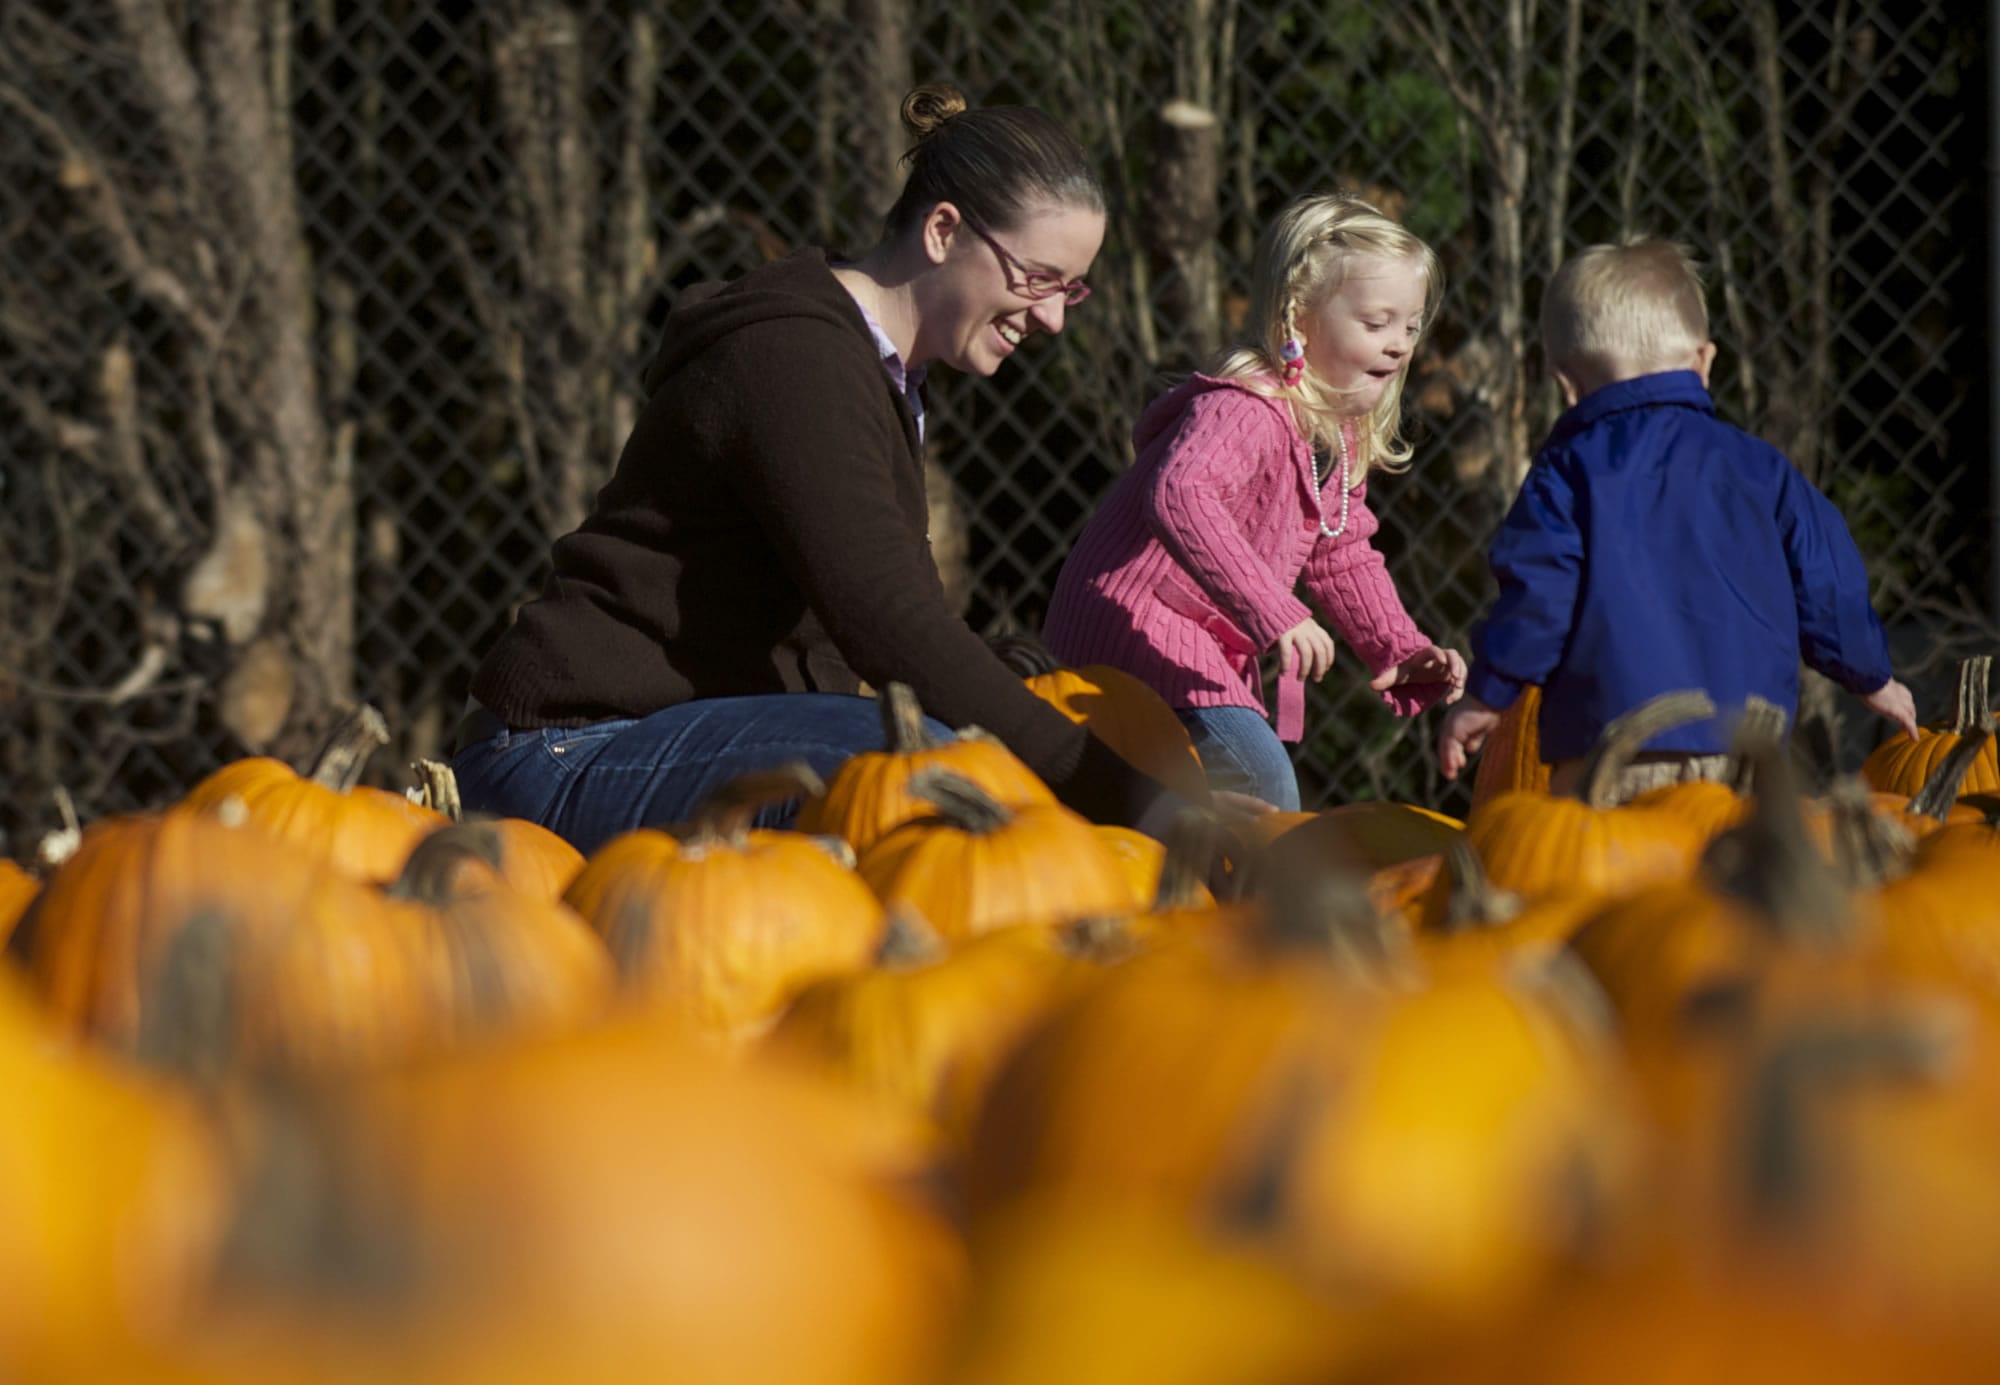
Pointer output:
x,y
1242,752
590,783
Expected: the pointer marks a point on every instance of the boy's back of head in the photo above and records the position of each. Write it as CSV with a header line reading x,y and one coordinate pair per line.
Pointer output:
x,y
1615,312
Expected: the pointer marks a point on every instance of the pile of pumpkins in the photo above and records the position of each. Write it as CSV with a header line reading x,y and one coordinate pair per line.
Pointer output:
x,y
313,1081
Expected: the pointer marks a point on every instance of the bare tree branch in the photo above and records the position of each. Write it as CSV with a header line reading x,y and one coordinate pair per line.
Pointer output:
x,y
161,60
1563,155
83,172
1710,115
1635,141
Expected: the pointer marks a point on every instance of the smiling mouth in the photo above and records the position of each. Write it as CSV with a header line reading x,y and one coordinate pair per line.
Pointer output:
x,y
1009,333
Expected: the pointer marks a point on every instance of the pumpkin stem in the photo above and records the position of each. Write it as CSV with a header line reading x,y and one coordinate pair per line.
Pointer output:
x,y
1025,656
959,801
58,846
353,739
187,1025
836,847
903,729
724,817
1316,909
1626,736
303,1219
1974,709
1475,902
437,788
1192,838
1097,937
1940,791
630,939
1921,1045
909,940
1762,720
1562,979
428,876
1768,861
1869,848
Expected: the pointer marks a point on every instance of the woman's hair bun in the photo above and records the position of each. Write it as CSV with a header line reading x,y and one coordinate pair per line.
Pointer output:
x,y
930,106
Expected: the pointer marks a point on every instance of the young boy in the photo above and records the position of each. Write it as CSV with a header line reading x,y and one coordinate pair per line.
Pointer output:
x,y
1654,547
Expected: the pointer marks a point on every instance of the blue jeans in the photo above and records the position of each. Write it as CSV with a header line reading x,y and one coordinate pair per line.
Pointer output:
x,y
590,783
1241,752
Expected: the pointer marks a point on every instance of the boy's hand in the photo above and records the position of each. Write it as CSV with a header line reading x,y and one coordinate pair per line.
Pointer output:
x,y
1432,665
1464,731
1893,701
1309,646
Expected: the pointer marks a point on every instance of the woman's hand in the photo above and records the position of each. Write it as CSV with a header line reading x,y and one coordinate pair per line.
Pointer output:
x,y
1309,646
1432,665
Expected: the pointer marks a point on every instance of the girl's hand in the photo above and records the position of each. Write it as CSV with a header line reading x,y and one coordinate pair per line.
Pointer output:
x,y
1309,646
1432,665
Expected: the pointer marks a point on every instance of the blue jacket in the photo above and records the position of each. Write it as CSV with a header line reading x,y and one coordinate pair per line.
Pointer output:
x,y
1654,547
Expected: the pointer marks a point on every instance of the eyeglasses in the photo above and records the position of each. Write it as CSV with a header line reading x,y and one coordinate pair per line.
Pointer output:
x,y
1035,283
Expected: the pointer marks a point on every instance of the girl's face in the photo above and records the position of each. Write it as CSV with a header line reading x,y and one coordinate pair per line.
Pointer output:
x,y
982,305
1360,337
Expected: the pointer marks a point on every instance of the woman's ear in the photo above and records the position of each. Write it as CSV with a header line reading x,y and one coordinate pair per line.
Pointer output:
x,y
938,230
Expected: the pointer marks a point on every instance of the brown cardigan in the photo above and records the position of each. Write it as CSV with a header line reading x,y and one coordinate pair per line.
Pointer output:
x,y
765,531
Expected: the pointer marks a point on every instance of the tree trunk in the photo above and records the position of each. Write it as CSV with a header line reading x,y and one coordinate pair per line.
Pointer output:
x,y
886,30
1181,218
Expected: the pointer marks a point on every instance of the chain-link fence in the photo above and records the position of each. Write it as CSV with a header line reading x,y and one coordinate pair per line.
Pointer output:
x,y
318,326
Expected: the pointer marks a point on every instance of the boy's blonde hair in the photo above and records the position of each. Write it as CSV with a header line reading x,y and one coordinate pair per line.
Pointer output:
x,y
1612,312
1302,259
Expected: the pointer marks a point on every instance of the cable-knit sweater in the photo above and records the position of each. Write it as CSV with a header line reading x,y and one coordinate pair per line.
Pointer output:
x,y
1188,569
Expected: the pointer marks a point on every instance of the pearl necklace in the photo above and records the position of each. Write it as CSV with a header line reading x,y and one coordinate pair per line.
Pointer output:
x,y
1340,435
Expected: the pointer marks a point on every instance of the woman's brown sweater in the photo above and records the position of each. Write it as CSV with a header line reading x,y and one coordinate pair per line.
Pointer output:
x,y
764,532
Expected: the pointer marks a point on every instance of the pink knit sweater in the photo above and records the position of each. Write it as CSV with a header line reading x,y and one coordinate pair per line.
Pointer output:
x,y
1186,572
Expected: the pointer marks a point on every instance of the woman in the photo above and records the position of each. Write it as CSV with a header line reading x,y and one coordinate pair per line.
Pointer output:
x,y
761,548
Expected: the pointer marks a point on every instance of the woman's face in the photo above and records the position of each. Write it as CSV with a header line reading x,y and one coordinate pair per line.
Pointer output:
x,y
1360,338
983,307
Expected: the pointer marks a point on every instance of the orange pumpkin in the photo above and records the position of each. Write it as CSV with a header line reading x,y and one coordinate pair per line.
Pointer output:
x,y
1763,898
924,1031
1715,806
1935,805
1163,1084
1071,1293
869,795
1480,1141
17,890
1536,844
1511,760
1484,927
1119,709
1901,765
366,832
112,1203
208,949
602,1207
980,865
722,924
533,859
1367,836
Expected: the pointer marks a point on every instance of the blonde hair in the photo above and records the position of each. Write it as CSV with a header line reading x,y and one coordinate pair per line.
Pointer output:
x,y
1615,311
1302,260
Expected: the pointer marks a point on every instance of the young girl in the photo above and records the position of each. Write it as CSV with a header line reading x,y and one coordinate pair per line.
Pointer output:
x,y
1252,474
